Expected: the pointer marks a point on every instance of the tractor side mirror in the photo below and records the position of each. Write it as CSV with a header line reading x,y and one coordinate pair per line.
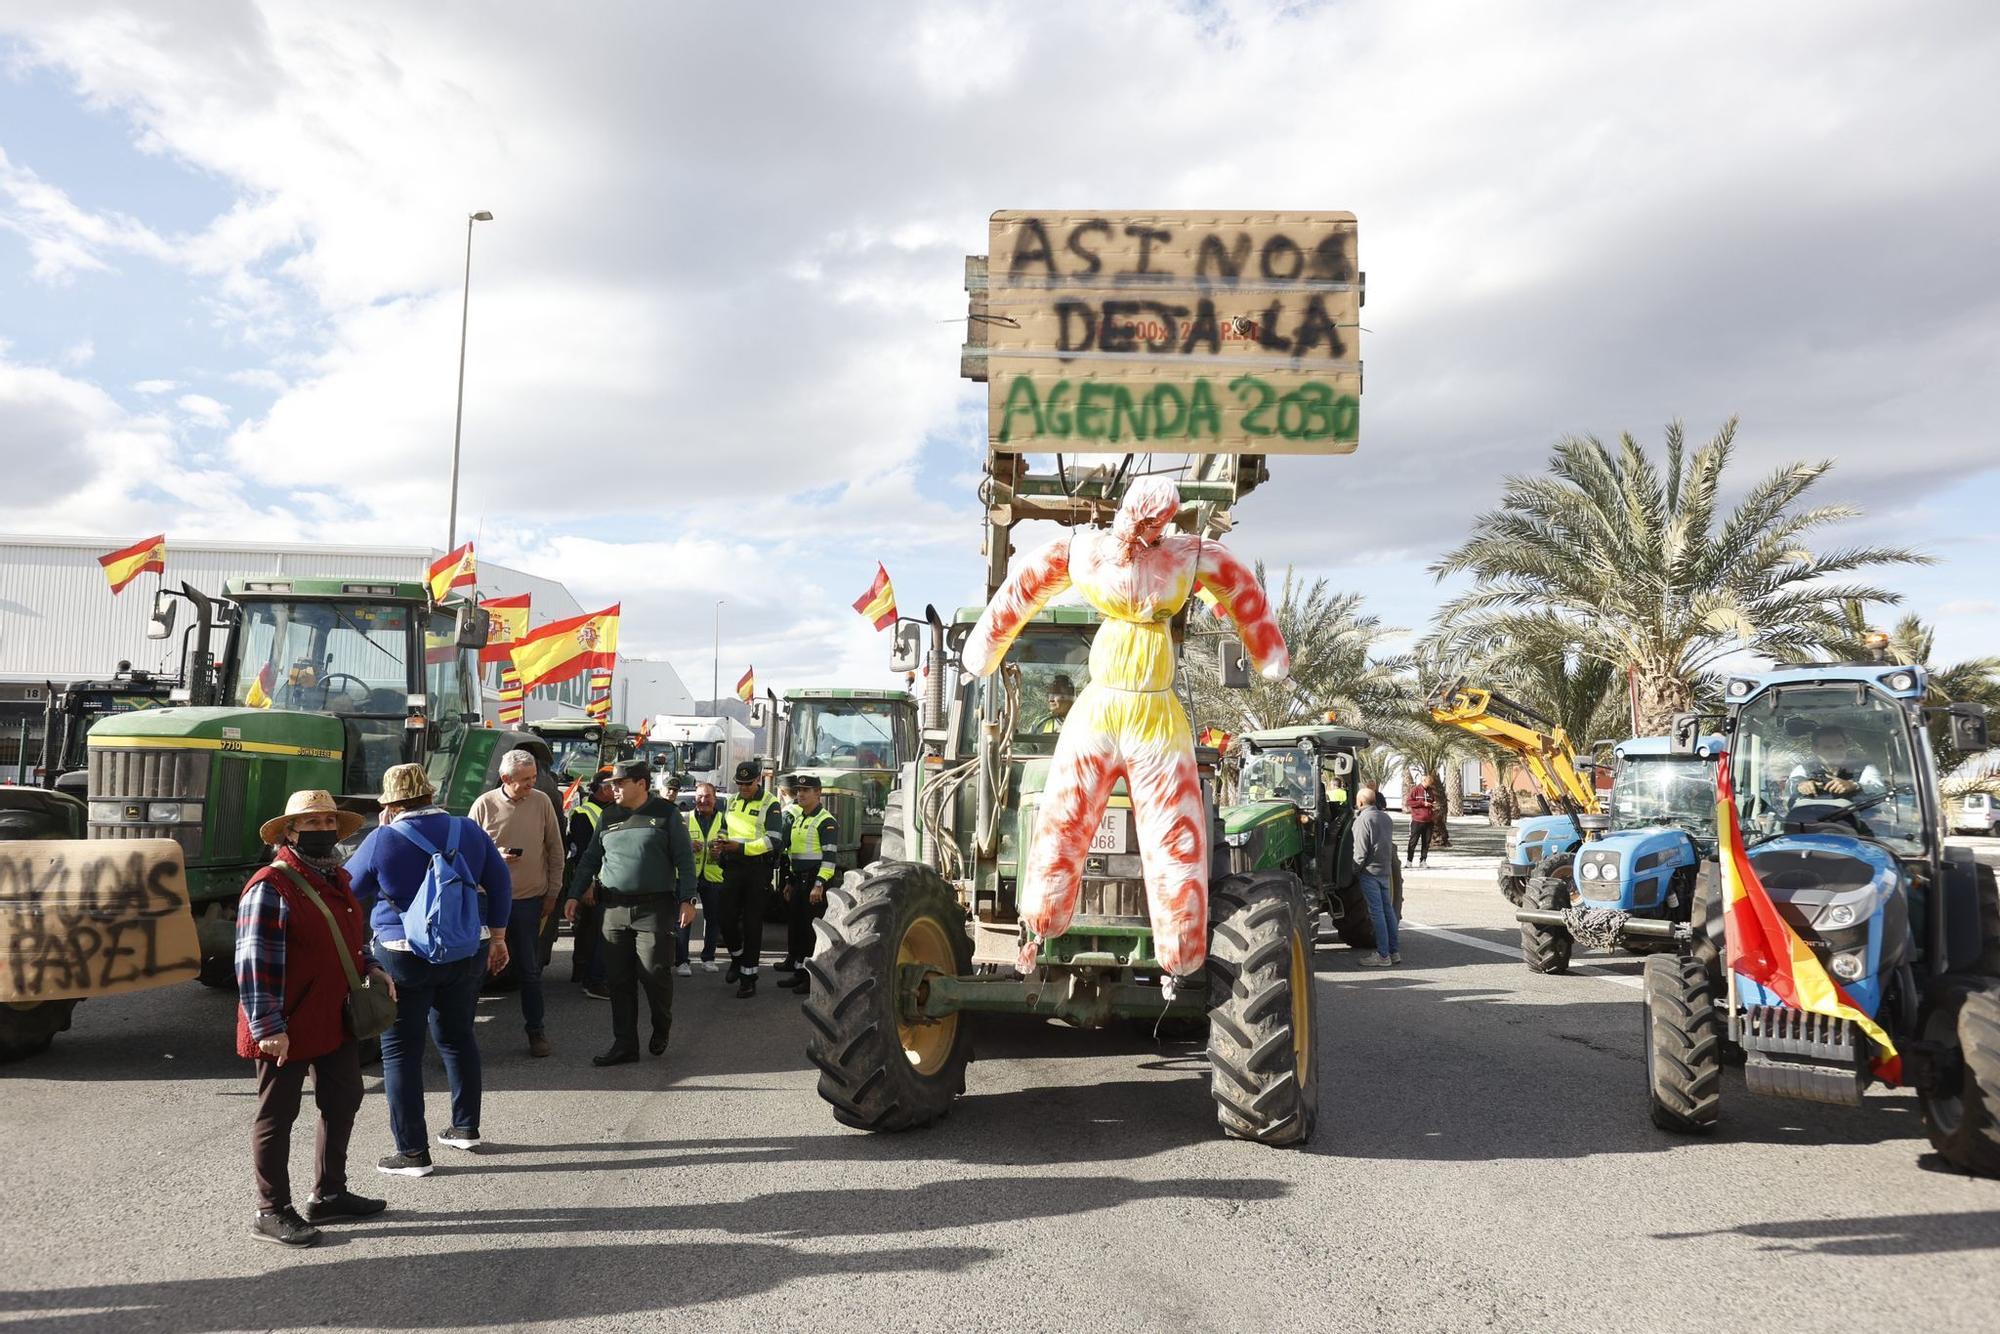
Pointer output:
x,y
1343,765
1686,733
1968,727
1233,668
473,627
906,654
760,713
164,610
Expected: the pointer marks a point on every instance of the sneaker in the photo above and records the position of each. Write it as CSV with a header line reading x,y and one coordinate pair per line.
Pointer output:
x,y
684,971
460,1137
596,992
707,965
1397,957
1373,961
416,1164
285,1227
538,1045
344,1205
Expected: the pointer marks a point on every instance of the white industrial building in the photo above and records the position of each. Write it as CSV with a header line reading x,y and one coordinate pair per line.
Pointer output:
x,y
59,621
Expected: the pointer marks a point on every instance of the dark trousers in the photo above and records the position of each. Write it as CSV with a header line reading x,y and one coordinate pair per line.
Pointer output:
x,y
1420,840
711,925
746,884
336,1092
524,932
639,939
800,911
587,961
442,995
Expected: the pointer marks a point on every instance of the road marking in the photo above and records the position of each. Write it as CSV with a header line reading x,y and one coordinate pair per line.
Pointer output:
x,y
1583,970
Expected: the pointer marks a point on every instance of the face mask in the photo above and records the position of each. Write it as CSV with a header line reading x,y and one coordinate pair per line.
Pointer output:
x,y
318,843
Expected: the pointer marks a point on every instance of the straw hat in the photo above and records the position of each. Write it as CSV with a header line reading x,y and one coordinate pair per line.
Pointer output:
x,y
403,783
311,801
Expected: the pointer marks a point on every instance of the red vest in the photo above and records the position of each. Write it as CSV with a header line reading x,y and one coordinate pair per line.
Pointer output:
x,y
315,983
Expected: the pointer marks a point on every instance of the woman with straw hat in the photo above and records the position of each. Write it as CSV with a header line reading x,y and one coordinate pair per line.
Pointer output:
x,y
297,916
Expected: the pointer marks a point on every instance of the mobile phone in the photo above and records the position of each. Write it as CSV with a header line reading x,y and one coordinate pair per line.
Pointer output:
x,y
513,852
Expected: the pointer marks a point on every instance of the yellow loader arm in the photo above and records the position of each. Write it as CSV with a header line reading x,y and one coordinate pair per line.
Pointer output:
x,y
1543,747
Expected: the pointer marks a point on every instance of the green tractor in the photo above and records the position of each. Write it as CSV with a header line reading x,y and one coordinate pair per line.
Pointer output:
x,y
1294,790
32,814
321,683
579,747
923,939
854,742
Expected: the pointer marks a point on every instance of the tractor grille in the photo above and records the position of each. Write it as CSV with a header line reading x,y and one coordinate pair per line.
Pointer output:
x,y
1112,898
129,781
1781,1030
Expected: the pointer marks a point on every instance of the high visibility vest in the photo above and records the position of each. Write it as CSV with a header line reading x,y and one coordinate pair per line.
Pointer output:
x,y
810,838
745,822
591,812
706,864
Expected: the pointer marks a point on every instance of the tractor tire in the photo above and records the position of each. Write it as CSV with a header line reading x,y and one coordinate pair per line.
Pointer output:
x,y
218,971
1988,964
28,1029
1261,1033
877,1071
1683,1045
1546,949
1514,888
892,846
1964,1123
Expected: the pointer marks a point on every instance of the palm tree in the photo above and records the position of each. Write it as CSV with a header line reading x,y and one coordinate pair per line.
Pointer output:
x,y
1631,565
1332,644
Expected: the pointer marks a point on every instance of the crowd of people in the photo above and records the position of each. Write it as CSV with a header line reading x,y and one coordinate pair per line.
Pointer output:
x,y
398,939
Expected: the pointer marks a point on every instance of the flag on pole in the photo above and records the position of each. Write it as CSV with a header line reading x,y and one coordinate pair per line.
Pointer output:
x,y
1763,947
454,569
124,565
565,649
508,623
746,689
878,604
258,696
511,697
598,706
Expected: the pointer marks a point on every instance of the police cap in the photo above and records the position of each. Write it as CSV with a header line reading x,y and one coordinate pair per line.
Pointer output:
x,y
631,770
746,771
806,781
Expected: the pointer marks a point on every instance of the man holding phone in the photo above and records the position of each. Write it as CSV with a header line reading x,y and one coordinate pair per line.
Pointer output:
x,y
521,819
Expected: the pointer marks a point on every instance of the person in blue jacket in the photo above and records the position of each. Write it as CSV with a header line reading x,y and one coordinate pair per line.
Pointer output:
x,y
387,871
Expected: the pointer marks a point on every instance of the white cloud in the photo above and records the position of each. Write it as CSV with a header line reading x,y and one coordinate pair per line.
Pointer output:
x,y
156,386
203,410
78,354
63,239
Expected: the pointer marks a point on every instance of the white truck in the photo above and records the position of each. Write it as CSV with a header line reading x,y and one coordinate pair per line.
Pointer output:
x,y
696,750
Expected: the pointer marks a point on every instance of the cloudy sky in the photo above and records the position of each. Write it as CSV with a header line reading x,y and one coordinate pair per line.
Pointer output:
x,y
715,321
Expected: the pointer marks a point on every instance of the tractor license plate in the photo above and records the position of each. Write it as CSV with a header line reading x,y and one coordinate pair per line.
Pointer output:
x,y
1110,833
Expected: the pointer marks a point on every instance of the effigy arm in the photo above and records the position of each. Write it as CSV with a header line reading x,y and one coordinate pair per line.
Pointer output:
x,y
1238,594
1030,584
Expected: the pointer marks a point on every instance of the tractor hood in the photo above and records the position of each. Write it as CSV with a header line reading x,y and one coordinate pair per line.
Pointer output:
x,y
252,731
1812,870
1242,819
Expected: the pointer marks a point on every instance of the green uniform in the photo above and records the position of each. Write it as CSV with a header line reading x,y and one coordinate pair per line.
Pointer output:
x,y
643,867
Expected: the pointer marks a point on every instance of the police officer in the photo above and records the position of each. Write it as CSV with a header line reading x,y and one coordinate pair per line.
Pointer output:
x,y
705,828
749,821
811,848
642,870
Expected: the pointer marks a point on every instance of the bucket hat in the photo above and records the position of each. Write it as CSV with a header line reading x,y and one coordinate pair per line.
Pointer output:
x,y
406,783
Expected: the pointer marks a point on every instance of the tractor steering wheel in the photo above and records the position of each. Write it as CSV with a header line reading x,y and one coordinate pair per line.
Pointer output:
x,y
360,701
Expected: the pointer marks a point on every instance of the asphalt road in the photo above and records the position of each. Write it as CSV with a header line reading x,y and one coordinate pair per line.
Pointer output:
x,y
1483,1162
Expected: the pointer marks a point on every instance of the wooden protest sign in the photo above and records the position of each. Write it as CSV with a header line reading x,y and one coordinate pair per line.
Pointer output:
x,y
93,917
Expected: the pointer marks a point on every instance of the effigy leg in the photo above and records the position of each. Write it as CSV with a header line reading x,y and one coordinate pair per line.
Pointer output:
x,y
1081,776
1173,846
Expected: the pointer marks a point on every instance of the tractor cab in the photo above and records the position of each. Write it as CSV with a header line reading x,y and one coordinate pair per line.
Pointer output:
x,y
1294,809
854,741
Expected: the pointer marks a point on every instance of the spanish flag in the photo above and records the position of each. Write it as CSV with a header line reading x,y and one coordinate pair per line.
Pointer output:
x,y
509,624
1213,736
511,697
258,696
567,648
746,689
121,567
1762,946
878,604
454,569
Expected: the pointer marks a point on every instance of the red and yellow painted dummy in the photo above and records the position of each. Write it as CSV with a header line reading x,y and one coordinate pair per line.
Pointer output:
x,y
1127,722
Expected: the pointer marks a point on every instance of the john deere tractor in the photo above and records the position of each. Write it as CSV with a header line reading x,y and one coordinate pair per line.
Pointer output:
x,y
1294,789
923,939
854,742
1836,791
321,683
579,747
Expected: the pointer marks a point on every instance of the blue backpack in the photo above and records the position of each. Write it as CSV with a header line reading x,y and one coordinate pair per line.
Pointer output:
x,y
442,923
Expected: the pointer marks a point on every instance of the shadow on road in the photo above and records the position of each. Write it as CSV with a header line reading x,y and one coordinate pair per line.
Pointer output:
x,y
469,1289
1884,1234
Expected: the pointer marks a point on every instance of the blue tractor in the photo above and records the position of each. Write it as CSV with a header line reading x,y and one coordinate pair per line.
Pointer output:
x,y
1626,878
1836,792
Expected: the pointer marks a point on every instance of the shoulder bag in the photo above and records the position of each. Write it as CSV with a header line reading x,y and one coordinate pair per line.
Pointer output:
x,y
369,1011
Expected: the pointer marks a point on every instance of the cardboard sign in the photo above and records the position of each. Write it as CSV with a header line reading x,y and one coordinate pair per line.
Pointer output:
x,y
93,917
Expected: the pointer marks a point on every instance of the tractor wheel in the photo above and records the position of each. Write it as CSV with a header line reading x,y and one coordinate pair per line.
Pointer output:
x,y
1261,1003
1546,949
892,847
1989,921
218,971
1513,888
1683,1045
1962,1117
28,1029
880,1069
1354,926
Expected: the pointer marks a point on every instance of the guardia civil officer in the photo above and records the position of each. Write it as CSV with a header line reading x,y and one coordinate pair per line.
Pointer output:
x,y
750,823
812,838
641,872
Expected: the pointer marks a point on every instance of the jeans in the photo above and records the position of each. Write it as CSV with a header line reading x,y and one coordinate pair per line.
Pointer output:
x,y
711,923
1382,912
524,947
336,1090
444,994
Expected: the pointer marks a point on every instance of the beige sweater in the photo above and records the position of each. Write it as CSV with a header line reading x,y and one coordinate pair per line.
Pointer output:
x,y
529,824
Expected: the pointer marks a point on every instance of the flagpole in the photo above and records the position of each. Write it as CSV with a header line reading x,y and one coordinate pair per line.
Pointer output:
x,y
458,420
715,666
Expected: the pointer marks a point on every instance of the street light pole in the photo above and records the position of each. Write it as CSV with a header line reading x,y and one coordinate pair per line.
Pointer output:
x,y
458,422
715,670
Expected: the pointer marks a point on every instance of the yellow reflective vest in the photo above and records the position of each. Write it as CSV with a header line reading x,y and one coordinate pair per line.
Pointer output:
x,y
748,822
813,838
706,864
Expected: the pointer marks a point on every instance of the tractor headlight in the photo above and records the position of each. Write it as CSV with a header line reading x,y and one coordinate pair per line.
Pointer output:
x,y
1839,915
1740,689
1236,840
1902,681
1589,871
105,812
1850,966
171,812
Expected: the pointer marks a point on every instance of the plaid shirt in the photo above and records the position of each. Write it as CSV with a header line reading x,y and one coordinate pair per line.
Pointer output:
x,y
260,959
